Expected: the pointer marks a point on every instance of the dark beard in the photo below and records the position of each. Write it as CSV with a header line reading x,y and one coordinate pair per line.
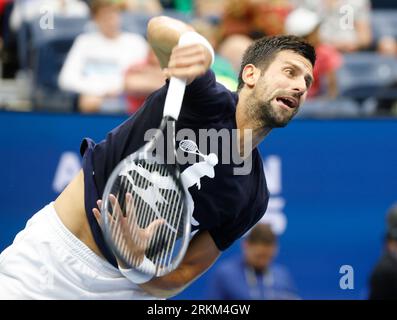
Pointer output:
x,y
265,116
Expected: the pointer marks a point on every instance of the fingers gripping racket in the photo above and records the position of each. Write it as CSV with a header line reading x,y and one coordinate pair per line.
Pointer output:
x,y
144,207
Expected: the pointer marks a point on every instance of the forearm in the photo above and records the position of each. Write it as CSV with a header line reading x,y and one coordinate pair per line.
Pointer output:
x,y
170,284
163,35
200,256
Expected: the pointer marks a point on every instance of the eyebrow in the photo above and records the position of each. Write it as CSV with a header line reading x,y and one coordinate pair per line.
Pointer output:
x,y
308,78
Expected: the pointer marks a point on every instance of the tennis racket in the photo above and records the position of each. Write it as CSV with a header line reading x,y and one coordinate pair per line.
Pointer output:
x,y
144,205
190,146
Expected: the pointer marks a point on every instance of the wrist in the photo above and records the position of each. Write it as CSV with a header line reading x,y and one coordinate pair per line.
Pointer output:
x,y
143,273
192,37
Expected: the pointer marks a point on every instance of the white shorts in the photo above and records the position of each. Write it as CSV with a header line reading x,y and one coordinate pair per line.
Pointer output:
x,y
46,261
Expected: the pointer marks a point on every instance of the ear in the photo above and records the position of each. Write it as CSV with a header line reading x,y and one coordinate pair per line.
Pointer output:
x,y
251,75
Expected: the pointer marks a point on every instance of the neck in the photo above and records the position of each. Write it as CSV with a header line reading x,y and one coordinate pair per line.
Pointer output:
x,y
251,133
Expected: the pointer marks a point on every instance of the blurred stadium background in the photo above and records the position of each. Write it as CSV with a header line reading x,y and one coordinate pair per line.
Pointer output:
x,y
332,173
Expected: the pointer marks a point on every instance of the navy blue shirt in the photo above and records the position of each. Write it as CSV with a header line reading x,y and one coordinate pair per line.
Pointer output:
x,y
225,204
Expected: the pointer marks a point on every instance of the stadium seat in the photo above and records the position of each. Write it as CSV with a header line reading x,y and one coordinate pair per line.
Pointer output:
x,y
323,108
23,39
384,23
49,60
32,34
135,22
49,48
63,27
364,75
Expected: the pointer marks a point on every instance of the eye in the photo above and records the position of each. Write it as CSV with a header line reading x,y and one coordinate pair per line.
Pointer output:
x,y
289,72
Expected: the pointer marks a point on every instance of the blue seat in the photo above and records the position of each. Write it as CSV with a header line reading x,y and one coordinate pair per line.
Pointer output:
x,y
49,59
323,108
49,48
363,75
63,27
137,22
31,34
384,23
23,40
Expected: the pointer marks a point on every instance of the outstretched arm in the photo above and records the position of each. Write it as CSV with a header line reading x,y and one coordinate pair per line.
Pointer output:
x,y
201,254
186,62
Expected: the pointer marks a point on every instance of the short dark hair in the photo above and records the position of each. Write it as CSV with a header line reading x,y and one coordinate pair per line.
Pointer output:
x,y
263,51
261,233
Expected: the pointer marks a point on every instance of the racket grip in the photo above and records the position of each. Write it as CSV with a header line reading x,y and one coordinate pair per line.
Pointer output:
x,y
176,89
174,98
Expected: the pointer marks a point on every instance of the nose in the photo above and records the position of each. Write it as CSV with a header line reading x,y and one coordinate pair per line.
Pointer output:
x,y
300,86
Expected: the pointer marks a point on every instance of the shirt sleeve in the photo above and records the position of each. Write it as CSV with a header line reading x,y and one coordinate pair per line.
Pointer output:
x,y
205,97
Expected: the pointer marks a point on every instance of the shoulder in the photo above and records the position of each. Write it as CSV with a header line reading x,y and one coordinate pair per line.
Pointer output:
x,y
209,96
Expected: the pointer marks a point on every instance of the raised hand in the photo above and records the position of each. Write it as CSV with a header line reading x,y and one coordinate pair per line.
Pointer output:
x,y
188,62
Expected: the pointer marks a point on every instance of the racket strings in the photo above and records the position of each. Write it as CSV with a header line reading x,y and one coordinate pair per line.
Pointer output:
x,y
161,259
166,204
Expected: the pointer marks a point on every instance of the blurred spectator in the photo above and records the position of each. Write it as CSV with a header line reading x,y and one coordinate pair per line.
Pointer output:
x,y
151,7
383,282
209,9
112,71
2,7
346,24
212,10
141,80
233,48
253,276
28,10
255,18
8,43
305,23
222,67
387,45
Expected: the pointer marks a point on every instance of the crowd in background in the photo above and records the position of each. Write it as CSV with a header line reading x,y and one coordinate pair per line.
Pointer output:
x,y
92,56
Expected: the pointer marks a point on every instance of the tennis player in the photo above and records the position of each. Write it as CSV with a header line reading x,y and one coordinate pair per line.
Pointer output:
x,y
61,254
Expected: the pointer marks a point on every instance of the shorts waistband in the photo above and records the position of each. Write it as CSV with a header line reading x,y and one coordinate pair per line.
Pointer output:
x,y
77,248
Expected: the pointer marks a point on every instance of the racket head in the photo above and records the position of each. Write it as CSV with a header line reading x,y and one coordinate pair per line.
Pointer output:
x,y
150,196
188,146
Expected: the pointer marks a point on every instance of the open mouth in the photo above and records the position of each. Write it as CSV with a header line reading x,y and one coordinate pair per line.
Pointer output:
x,y
288,102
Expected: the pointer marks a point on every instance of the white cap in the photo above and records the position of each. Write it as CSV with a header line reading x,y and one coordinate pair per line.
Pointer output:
x,y
301,22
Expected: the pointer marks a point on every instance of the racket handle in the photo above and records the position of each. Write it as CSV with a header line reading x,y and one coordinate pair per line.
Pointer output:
x,y
176,89
173,100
